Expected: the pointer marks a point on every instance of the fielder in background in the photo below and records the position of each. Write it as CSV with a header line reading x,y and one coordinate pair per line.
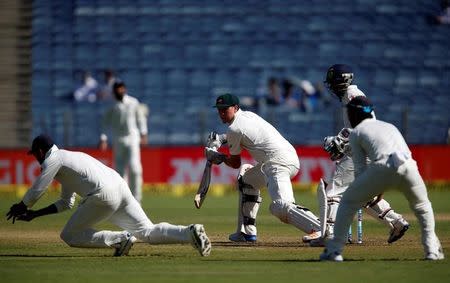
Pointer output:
x,y
105,197
128,124
390,165
277,163
339,81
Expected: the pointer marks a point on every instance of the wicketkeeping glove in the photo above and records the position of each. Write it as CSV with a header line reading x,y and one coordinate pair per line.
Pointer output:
x,y
214,156
337,146
16,210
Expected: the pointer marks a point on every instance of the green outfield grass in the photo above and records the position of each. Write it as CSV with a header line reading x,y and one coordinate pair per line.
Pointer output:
x,y
33,252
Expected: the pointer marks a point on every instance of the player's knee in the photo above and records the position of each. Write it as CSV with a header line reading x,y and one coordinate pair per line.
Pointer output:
x,y
244,168
279,209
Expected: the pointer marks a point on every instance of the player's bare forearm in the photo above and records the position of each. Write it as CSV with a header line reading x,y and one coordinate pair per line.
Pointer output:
x,y
233,161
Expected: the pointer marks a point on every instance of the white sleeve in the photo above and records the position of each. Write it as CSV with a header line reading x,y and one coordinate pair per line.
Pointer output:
x,y
234,142
141,120
358,154
66,201
49,170
105,124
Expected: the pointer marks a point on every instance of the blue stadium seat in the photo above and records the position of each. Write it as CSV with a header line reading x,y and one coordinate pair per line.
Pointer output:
x,y
167,49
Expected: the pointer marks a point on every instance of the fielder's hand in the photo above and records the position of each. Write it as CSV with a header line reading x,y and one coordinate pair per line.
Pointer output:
x,y
16,210
214,156
27,216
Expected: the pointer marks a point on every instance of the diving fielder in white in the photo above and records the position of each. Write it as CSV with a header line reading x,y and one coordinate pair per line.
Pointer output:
x,y
129,130
277,163
390,166
339,81
105,197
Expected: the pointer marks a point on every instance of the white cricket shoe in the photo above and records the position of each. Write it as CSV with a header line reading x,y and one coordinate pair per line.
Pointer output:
x,y
123,248
242,237
435,256
399,229
313,236
199,239
326,256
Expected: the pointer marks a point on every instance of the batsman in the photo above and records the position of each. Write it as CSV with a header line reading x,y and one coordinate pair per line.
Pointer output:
x,y
277,163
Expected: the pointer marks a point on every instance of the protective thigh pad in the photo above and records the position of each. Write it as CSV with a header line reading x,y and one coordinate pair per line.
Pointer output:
x,y
300,217
250,202
323,207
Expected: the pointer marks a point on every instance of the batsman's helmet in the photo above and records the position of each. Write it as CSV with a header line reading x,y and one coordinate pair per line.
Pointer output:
x,y
339,77
358,109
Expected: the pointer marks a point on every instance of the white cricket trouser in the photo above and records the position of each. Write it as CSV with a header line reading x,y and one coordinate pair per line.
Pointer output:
x,y
342,177
376,179
277,178
127,158
118,206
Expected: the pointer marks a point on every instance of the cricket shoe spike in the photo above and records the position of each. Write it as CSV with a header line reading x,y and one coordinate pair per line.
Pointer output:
x,y
199,239
326,256
242,237
123,248
399,229
313,236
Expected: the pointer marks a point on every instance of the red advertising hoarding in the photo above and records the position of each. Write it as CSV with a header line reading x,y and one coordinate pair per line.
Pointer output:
x,y
184,165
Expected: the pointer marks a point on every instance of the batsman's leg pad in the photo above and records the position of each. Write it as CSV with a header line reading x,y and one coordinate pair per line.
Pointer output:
x,y
383,212
323,206
250,203
298,216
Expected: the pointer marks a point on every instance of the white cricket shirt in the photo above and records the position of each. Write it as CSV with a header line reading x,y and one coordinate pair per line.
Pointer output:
x,y
77,172
261,139
125,119
376,140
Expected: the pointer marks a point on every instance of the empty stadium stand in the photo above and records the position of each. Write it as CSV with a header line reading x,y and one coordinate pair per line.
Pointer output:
x,y
177,55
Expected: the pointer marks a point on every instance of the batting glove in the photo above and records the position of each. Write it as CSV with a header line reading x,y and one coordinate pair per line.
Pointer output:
x,y
215,140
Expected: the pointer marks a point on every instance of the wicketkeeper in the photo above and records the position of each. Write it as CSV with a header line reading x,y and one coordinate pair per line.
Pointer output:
x,y
390,166
277,163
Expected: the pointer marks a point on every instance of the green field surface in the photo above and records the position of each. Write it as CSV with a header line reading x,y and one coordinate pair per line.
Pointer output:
x,y
33,252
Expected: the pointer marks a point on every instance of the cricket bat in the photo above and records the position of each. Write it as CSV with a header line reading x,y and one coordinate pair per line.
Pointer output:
x,y
204,185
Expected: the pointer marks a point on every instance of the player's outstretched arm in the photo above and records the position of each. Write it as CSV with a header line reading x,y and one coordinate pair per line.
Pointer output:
x,y
31,214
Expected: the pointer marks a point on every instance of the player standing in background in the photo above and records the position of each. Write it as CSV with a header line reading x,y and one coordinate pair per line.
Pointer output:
x,y
277,163
390,166
339,80
129,130
105,196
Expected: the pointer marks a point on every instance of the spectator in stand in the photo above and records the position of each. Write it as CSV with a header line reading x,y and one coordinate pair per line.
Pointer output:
x,y
443,18
273,95
310,96
106,90
88,90
291,96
